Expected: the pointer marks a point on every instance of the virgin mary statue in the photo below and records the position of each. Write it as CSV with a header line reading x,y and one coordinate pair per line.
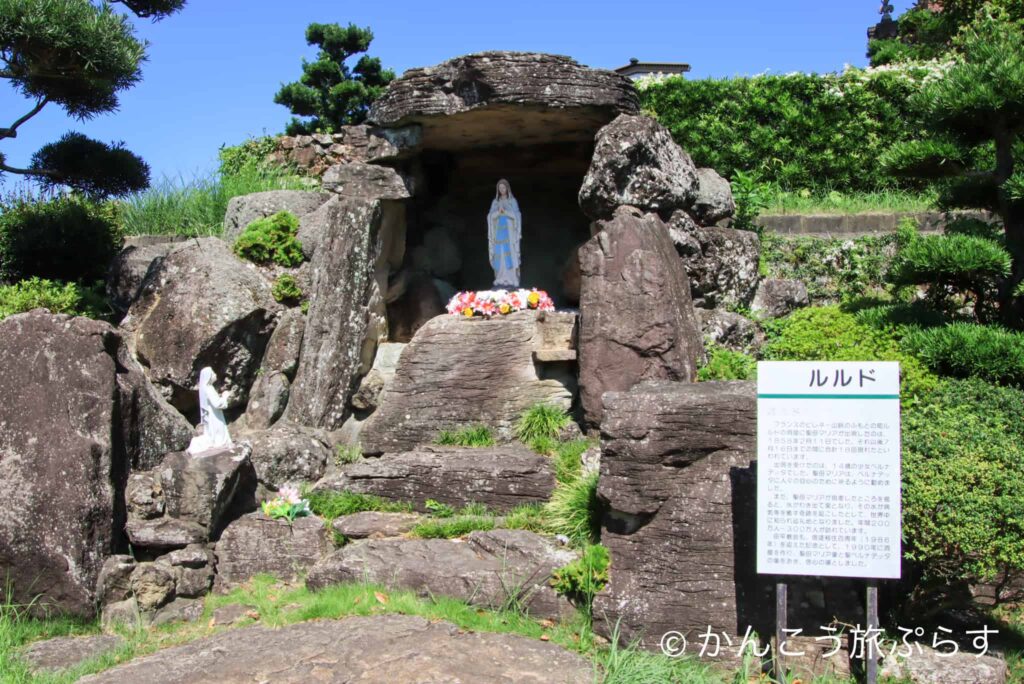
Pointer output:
x,y
504,230
211,404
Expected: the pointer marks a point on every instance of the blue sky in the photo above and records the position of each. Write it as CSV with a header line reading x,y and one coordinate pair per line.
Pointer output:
x,y
214,68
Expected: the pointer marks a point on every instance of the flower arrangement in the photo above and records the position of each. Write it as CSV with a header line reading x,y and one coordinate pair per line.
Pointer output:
x,y
287,505
488,303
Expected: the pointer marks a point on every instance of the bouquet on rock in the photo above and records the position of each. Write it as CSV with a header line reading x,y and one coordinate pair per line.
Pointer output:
x,y
487,303
288,505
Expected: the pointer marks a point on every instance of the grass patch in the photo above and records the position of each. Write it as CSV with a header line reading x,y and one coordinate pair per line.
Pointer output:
x,y
330,505
805,202
471,436
197,207
541,421
574,510
568,459
449,528
725,364
530,517
344,454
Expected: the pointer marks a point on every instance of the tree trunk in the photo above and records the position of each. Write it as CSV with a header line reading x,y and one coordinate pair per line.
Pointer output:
x,y
1013,226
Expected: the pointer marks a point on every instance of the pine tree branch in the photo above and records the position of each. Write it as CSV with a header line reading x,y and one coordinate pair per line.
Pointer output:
x,y
12,132
29,172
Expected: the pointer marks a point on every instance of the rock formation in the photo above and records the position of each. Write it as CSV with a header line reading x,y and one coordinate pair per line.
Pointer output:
x,y
637,321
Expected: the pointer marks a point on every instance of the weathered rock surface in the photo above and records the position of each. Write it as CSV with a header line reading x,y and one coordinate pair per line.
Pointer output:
x,y
928,666
245,209
360,181
380,376
64,653
268,397
375,524
346,319
730,330
77,413
494,98
777,298
152,585
433,388
129,269
256,544
202,489
713,201
722,263
484,569
202,306
282,354
288,454
673,455
268,400
499,477
114,582
638,321
420,300
637,163
165,533
381,649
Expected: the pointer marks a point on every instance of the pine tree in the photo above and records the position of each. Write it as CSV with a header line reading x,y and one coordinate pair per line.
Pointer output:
x,y
76,55
975,112
328,93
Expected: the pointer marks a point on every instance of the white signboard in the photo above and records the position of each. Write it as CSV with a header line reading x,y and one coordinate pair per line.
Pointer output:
x,y
828,468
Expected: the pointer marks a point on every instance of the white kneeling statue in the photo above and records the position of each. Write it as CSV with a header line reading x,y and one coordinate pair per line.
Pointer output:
x,y
504,231
211,404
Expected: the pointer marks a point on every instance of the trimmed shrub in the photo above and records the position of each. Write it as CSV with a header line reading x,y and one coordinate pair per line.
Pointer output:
x,y
271,240
67,238
59,298
963,482
286,290
725,364
967,350
829,334
893,317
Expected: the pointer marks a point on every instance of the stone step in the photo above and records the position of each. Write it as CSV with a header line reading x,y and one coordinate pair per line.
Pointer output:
x,y
499,477
491,569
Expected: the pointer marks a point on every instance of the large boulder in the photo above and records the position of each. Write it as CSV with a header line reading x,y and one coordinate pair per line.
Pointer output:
x,y
288,454
713,200
363,241
360,182
457,372
672,460
722,263
776,298
637,320
730,330
929,666
486,99
678,477
77,415
379,649
487,569
245,209
637,163
128,270
188,499
499,477
202,306
256,544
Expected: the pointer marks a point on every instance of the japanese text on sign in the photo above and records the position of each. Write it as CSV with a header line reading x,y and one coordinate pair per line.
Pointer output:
x,y
828,474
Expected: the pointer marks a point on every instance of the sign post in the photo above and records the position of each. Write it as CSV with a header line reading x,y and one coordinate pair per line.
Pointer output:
x,y
828,475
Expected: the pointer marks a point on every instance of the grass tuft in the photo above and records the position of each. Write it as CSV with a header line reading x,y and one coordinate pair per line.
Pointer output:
x,y
330,505
540,422
471,436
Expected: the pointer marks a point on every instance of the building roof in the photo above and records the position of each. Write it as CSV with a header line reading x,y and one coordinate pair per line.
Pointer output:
x,y
635,66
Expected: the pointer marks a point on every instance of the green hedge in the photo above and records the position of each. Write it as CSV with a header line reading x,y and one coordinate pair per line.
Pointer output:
x,y
803,131
963,482
59,298
969,350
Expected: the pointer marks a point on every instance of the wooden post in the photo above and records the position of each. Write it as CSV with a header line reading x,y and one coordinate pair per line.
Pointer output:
x,y
871,666
781,590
